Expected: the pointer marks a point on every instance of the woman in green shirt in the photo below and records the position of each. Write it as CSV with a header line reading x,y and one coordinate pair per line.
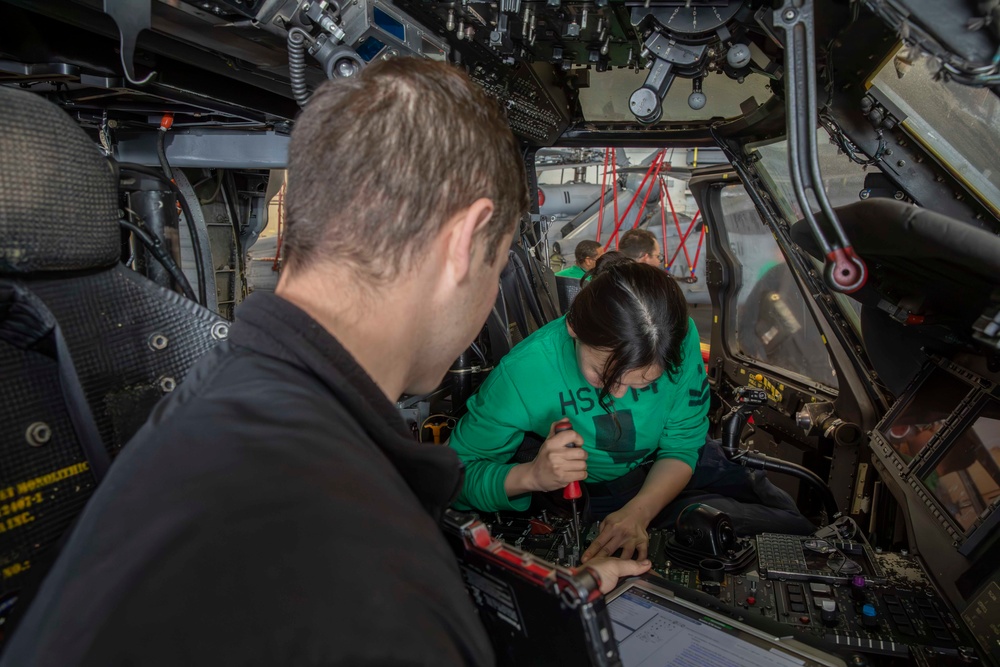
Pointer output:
x,y
624,367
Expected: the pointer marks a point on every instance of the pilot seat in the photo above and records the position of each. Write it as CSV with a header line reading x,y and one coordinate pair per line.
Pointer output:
x,y
87,346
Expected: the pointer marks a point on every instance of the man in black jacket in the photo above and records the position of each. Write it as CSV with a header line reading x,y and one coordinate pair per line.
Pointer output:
x,y
274,510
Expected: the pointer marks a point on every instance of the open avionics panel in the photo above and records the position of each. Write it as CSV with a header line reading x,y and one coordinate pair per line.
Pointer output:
x,y
940,444
943,437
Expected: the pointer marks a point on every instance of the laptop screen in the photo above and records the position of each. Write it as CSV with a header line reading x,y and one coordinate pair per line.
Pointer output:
x,y
653,628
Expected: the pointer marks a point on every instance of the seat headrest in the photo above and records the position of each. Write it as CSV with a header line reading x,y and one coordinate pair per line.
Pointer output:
x,y
58,194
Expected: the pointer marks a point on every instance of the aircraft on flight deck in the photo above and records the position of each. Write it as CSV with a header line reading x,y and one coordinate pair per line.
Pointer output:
x,y
850,260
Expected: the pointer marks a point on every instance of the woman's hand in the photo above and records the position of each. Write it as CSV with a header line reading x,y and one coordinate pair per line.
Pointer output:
x,y
622,529
560,460
626,528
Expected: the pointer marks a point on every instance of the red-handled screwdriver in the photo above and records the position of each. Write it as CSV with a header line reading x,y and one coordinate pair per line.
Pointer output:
x,y
572,492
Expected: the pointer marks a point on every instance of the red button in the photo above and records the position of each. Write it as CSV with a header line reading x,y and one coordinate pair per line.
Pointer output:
x,y
751,601
804,620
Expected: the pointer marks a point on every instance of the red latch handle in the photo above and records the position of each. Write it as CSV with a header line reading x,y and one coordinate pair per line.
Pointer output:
x,y
845,271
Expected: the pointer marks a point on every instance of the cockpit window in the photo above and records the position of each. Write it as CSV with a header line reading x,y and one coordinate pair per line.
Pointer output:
x,y
843,180
773,323
958,124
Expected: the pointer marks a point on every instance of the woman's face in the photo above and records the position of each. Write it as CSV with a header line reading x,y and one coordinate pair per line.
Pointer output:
x,y
592,361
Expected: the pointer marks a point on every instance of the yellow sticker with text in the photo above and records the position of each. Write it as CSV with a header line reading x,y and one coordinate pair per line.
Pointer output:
x,y
772,389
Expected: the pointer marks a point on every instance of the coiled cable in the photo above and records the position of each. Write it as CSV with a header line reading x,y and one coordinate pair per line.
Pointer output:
x,y
297,64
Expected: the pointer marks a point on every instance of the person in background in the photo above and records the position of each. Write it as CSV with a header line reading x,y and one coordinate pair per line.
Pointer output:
x,y
642,246
587,254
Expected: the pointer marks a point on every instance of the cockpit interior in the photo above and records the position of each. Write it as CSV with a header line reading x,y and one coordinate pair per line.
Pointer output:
x,y
822,178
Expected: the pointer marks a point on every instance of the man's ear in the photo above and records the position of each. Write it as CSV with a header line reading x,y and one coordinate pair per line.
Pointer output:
x,y
462,243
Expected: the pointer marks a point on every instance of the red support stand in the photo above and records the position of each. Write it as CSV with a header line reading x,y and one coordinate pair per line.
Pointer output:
x,y
604,190
653,168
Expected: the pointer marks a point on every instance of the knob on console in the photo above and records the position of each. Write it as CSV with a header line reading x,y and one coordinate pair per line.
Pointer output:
x,y
711,569
858,592
868,617
711,572
828,613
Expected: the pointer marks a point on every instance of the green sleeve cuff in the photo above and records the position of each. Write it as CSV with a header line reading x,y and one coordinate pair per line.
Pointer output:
x,y
489,494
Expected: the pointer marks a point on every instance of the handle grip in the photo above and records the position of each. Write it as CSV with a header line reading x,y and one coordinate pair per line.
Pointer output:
x,y
572,490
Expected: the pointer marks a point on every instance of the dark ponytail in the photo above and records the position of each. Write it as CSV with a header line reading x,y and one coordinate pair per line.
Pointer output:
x,y
635,311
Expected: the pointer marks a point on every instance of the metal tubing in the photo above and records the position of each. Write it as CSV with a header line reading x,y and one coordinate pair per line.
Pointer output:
x,y
845,271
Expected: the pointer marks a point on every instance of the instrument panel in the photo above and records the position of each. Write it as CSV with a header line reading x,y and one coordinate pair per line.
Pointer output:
x,y
884,607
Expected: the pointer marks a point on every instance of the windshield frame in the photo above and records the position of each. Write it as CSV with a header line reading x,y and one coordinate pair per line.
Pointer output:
x,y
856,374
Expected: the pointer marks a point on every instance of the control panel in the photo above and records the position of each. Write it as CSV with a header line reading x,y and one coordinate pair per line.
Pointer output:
x,y
839,594
531,112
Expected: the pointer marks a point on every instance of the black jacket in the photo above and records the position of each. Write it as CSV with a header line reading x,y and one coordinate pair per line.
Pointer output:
x,y
273,511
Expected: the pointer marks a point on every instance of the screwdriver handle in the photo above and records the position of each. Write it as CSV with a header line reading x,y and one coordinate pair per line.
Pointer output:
x,y
572,490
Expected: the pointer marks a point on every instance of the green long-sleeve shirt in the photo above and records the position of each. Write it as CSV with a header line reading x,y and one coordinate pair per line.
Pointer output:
x,y
539,382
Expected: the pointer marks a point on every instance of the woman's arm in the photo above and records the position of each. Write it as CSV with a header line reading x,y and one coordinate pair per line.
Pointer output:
x,y
485,439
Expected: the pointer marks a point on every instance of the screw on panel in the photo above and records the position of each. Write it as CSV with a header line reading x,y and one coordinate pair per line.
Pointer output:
x,y
167,384
220,331
790,15
157,341
38,434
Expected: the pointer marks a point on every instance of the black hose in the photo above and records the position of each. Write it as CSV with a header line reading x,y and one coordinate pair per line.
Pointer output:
x,y
155,247
764,462
189,219
161,153
297,65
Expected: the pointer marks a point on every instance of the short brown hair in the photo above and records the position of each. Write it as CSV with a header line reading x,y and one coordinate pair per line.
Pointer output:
x,y
586,250
379,161
637,242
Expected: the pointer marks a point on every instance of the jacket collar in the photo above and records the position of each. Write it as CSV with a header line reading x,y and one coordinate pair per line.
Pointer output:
x,y
274,327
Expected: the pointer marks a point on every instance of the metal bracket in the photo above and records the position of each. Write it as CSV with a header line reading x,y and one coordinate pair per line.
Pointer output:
x,y
665,54
131,17
844,271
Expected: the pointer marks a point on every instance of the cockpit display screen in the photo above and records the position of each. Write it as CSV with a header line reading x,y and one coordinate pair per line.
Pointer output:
x,y
915,424
966,480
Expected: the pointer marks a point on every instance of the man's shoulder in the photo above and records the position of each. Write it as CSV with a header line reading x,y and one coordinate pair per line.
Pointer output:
x,y
571,272
231,374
